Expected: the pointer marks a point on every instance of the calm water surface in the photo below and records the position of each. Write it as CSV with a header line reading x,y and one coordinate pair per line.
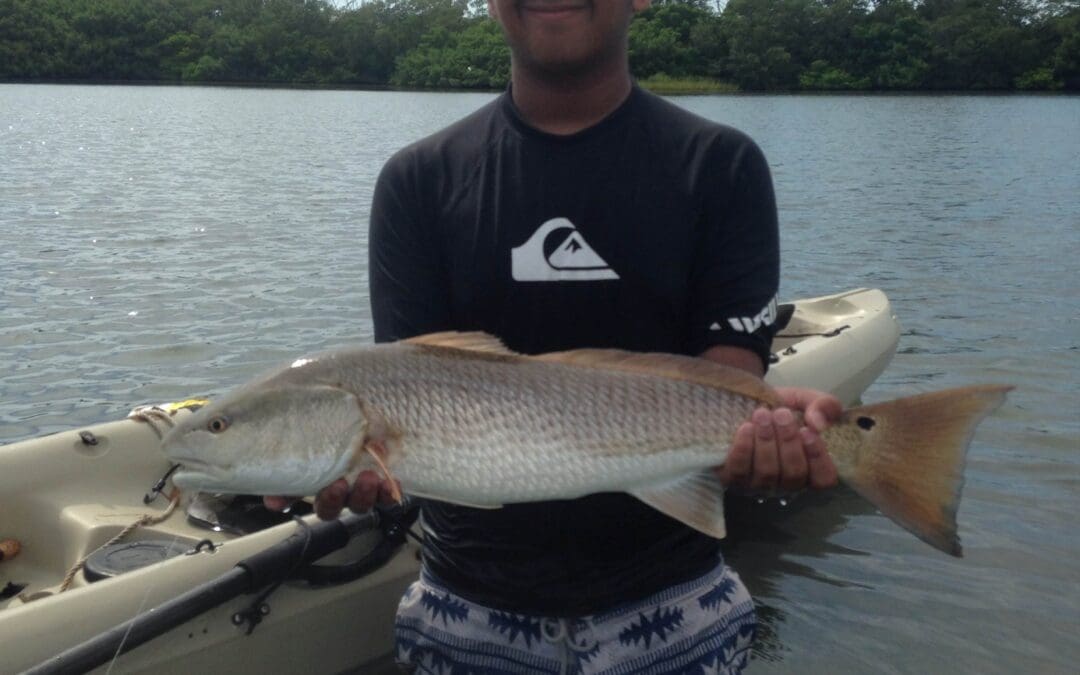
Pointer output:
x,y
159,242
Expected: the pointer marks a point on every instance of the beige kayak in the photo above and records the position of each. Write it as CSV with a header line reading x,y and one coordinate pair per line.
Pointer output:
x,y
65,495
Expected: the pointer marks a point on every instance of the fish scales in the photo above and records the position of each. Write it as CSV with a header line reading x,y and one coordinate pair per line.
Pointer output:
x,y
483,431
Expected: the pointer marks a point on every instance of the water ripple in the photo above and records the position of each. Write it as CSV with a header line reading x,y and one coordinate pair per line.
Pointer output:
x,y
161,242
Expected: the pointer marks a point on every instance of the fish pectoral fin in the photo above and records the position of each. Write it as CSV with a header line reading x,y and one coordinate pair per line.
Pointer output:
x,y
377,451
696,500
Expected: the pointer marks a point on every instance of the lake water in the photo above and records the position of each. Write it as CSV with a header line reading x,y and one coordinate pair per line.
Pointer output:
x,y
159,242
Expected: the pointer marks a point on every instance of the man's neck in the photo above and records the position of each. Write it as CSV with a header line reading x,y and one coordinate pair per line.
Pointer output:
x,y
565,105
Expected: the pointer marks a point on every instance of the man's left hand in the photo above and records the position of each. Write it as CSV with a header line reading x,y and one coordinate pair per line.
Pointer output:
x,y
774,452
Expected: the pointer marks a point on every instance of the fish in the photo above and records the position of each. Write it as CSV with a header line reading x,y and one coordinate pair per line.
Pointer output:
x,y
460,418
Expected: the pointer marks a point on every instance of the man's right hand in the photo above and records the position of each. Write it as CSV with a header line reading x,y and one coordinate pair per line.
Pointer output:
x,y
773,451
360,497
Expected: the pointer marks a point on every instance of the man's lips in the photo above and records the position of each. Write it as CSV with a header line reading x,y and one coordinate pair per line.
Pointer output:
x,y
553,11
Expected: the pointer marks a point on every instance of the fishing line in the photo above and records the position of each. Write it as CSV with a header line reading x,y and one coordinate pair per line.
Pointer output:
x,y
145,520
142,605
131,624
134,618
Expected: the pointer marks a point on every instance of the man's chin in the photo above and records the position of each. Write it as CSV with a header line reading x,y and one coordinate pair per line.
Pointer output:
x,y
560,64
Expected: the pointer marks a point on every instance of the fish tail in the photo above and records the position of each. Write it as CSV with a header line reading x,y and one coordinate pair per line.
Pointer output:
x,y
909,454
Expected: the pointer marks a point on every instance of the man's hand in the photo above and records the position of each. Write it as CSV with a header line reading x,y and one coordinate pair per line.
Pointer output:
x,y
772,451
361,496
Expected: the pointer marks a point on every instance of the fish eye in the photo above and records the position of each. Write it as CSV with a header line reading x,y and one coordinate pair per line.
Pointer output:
x,y
217,425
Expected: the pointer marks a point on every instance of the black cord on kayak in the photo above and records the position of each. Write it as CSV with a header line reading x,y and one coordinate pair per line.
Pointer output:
x,y
832,333
400,517
417,538
253,614
395,521
159,486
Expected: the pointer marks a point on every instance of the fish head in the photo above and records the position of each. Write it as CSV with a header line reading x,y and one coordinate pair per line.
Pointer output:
x,y
287,439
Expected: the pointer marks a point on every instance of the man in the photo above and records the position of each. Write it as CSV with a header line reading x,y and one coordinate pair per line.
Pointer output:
x,y
579,211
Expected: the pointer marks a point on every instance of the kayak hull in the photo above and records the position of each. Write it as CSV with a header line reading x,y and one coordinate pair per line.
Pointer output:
x,y
64,495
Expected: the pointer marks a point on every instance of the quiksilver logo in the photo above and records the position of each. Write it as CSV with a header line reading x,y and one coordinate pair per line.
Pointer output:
x,y
558,252
750,324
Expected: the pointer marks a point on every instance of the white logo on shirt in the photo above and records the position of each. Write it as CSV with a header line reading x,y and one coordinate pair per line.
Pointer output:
x,y
750,324
571,260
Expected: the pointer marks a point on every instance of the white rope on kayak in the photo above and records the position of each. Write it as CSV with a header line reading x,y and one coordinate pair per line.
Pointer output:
x,y
151,415
145,520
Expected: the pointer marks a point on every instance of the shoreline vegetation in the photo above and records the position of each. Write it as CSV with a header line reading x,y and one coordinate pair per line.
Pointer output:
x,y
664,84
676,47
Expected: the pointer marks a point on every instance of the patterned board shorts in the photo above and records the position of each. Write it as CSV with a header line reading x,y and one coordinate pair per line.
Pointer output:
x,y
702,626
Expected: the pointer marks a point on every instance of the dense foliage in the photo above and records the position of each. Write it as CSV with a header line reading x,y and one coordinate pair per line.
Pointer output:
x,y
754,44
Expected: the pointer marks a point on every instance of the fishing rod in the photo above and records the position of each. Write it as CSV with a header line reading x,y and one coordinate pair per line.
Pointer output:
x,y
289,558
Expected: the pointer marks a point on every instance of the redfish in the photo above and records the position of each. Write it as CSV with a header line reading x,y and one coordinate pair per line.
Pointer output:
x,y
459,418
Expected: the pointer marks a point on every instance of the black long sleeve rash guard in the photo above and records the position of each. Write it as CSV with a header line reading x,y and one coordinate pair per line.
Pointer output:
x,y
654,230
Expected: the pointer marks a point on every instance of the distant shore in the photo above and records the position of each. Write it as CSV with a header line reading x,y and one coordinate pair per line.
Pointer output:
x,y
675,47
662,85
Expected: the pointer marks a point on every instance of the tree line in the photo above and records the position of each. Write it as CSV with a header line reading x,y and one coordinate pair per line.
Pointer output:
x,y
755,45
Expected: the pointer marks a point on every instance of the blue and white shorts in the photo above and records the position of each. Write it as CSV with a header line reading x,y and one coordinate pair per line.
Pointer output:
x,y
702,626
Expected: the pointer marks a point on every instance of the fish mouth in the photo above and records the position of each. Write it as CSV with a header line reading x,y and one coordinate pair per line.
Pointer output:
x,y
195,473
